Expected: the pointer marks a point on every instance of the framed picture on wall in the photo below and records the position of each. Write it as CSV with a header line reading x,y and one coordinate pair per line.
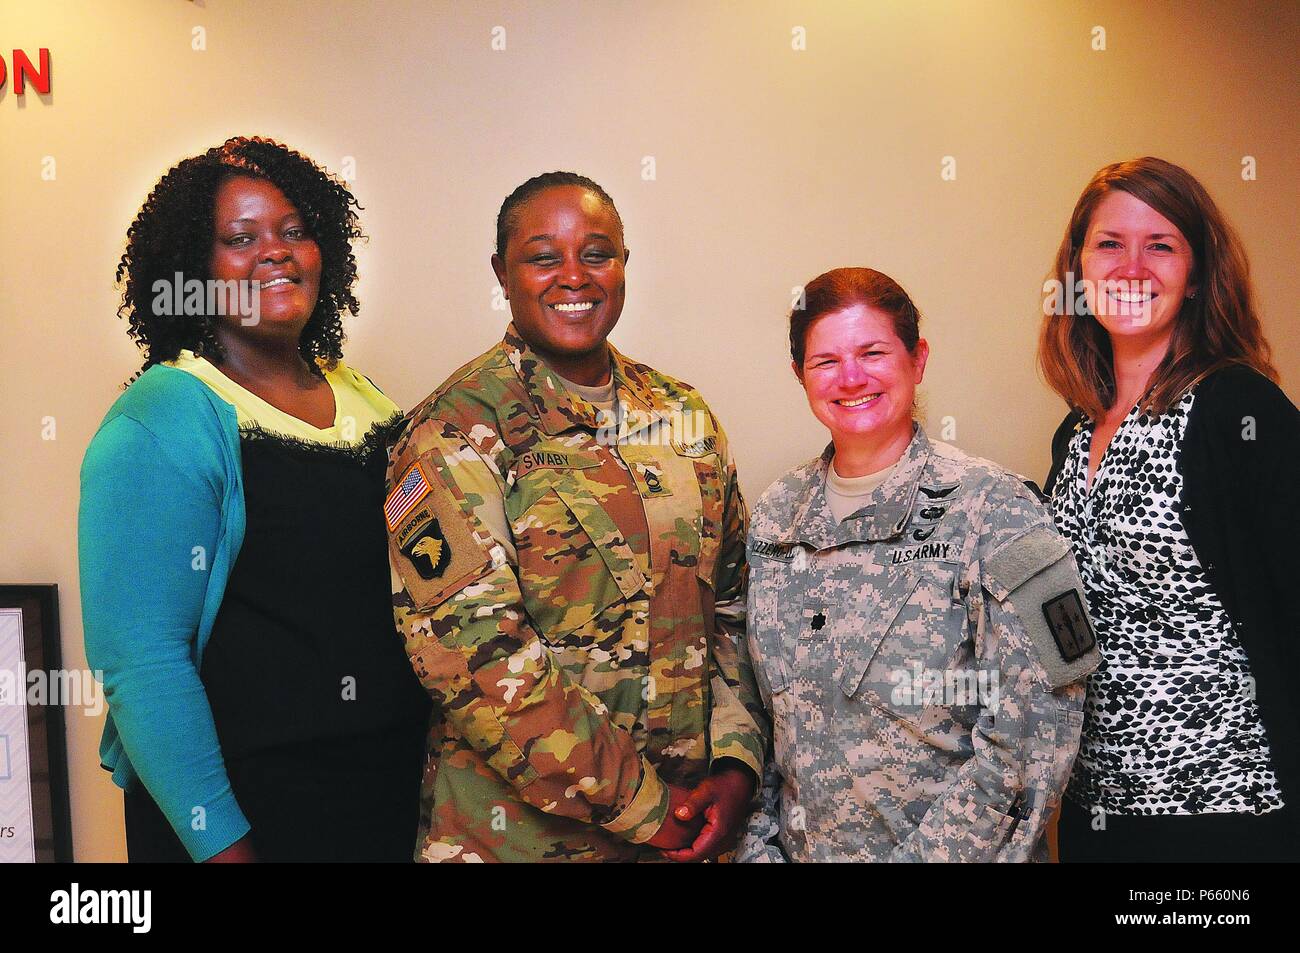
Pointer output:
x,y
35,816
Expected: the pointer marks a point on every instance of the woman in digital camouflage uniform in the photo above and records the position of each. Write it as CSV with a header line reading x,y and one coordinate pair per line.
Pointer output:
x,y
567,539
915,620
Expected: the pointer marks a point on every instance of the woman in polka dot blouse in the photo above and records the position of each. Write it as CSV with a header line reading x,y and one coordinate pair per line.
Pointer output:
x,y
1172,478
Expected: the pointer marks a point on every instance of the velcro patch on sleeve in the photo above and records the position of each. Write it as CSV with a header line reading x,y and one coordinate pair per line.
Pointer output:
x,y
433,545
1071,629
1036,571
1022,558
405,496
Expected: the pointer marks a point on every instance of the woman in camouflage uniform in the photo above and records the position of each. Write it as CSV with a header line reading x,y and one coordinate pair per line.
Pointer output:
x,y
915,621
567,539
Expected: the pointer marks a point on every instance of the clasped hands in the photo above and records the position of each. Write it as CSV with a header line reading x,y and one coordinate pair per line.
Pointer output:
x,y
704,822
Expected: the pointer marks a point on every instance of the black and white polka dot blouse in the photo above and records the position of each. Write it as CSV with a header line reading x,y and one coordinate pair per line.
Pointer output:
x,y
1170,723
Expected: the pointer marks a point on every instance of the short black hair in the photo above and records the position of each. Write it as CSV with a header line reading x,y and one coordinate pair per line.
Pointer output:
x,y
508,217
174,229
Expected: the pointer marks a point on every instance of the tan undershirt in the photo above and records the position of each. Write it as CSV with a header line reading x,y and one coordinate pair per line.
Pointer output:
x,y
601,397
847,495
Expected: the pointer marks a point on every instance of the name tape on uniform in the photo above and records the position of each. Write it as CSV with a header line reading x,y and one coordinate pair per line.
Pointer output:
x,y
700,448
769,550
553,460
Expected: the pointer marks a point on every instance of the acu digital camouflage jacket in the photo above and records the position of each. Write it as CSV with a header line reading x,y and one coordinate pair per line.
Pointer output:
x,y
923,661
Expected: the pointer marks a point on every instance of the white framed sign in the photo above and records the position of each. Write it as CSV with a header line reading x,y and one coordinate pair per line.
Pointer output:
x,y
35,819
17,834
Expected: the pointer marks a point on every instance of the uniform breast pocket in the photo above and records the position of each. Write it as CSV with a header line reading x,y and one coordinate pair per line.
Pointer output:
x,y
770,640
712,489
573,562
900,646
773,674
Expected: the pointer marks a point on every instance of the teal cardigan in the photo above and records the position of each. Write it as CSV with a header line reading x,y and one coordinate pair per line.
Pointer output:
x,y
160,524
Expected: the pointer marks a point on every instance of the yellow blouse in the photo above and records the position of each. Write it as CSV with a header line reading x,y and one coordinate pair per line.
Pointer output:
x,y
358,404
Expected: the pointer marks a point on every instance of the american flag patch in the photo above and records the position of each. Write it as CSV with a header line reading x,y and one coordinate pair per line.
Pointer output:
x,y
413,488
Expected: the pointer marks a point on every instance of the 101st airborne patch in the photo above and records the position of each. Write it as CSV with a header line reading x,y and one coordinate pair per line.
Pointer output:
x,y
431,537
421,541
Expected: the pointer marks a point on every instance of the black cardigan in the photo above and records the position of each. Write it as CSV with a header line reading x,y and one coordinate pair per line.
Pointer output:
x,y
1242,515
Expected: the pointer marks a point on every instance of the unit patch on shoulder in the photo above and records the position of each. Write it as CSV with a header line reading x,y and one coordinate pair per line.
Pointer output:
x,y
421,541
410,490
432,540
1035,576
1070,625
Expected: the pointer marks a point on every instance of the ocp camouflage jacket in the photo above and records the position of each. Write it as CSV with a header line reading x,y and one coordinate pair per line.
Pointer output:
x,y
570,591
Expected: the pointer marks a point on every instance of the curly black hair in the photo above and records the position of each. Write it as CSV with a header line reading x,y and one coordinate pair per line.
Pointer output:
x,y
173,233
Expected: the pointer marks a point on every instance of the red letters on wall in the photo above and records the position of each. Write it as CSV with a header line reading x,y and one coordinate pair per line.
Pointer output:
x,y
25,72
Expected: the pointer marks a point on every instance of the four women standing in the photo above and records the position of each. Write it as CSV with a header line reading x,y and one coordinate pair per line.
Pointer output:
x,y
567,543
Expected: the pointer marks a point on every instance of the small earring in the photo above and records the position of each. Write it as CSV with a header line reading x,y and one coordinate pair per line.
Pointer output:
x,y
1191,294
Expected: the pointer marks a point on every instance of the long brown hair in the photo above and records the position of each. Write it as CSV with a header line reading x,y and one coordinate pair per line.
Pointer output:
x,y
1218,327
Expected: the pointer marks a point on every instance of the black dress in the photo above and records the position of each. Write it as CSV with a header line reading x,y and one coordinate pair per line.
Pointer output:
x,y
320,718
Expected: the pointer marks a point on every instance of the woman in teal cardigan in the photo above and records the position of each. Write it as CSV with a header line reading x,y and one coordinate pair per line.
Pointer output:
x,y
234,574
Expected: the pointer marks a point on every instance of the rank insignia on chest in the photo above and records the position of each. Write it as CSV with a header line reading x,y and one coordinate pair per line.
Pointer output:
x,y
422,542
654,484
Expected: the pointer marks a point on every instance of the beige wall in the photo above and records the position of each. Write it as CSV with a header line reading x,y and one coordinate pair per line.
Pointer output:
x,y
772,165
